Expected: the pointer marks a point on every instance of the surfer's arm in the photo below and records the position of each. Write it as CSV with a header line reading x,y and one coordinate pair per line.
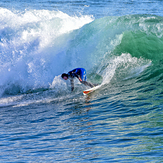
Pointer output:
x,y
78,76
72,84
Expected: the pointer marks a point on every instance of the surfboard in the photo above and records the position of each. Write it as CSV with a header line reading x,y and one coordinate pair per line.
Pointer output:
x,y
91,90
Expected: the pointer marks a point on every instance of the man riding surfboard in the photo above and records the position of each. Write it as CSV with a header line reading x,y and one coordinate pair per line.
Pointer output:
x,y
79,73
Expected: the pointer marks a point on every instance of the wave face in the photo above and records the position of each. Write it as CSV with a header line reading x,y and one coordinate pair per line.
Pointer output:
x,y
36,46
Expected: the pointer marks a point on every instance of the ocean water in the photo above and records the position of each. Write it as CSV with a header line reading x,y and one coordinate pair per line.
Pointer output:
x,y
119,43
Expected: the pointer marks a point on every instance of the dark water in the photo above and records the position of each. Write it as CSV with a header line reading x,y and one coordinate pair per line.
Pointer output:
x,y
119,43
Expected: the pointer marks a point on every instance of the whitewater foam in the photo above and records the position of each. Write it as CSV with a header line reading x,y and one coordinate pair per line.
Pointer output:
x,y
30,47
124,67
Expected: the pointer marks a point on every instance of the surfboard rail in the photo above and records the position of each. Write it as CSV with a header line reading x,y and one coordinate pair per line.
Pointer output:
x,y
85,92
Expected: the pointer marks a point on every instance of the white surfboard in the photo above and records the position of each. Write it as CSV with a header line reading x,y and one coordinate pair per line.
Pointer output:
x,y
91,89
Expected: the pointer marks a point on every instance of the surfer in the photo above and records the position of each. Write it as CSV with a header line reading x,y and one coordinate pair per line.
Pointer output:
x,y
79,73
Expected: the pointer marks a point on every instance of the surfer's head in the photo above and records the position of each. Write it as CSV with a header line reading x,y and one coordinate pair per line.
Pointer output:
x,y
64,76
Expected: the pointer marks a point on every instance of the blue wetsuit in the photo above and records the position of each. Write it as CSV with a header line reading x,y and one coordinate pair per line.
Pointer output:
x,y
78,72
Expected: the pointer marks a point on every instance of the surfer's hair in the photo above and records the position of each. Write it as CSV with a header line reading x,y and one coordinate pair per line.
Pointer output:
x,y
64,74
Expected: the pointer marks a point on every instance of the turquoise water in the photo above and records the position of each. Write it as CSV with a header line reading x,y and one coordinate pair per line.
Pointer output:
x,y
119,43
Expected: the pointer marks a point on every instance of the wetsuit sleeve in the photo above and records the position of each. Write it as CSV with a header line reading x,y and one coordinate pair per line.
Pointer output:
x,y
76,75
73,74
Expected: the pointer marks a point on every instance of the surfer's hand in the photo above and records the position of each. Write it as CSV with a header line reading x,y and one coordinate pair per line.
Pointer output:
x,y
80,79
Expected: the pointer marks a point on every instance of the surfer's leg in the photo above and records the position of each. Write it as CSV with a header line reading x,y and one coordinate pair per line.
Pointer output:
x,y
87,84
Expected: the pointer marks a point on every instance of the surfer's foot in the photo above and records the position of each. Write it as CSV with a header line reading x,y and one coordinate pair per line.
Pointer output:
x,y
95,85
